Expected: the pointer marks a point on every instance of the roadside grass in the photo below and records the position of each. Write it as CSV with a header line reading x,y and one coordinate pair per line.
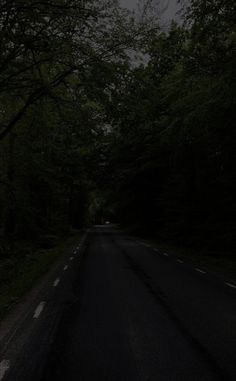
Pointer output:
x,y
221,264
21,275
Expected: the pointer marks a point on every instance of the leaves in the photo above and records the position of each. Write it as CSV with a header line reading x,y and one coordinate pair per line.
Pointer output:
x,y
173,152
59,65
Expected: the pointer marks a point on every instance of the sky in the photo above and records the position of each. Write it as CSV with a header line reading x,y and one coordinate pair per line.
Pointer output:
x,y
169,13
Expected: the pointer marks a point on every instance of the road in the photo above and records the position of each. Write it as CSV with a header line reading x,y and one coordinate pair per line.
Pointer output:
x,y
139,314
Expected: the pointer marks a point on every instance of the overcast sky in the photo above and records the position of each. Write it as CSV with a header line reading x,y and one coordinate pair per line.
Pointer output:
x,y
169,13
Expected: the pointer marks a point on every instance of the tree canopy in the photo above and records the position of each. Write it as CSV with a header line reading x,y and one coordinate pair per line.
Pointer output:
x,y
88,132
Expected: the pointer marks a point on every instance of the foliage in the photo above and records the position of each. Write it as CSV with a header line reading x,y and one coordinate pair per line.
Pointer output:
x,y
55,63
173,144
90,134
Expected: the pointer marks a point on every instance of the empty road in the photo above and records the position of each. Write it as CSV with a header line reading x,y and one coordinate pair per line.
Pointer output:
x,y
139,314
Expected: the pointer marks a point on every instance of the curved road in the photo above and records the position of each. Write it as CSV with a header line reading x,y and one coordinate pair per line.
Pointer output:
x,y
138,314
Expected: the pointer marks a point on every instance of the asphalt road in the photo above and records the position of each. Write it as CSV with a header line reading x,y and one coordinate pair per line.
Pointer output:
x,y
138,314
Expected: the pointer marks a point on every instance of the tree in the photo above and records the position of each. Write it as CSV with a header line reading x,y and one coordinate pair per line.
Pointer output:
x,y
43,43
174,136
57,59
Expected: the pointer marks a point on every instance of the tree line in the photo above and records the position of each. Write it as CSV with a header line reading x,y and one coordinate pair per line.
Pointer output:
x,y
173,142
52,109
90,131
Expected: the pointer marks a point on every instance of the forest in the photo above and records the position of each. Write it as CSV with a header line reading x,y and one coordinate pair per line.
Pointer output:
x,y
107,116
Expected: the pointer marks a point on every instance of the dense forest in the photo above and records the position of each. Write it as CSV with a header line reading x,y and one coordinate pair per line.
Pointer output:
x,y
106,116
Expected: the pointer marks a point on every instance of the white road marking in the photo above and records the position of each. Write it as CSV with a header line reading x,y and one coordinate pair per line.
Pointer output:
x,y
156,250
65,268
230,285
200,271
166,255
39,310
77,247
179,260
57,281
71,258
141,243
4,366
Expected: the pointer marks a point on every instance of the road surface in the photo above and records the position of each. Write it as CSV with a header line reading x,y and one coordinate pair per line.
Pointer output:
x,y
141,315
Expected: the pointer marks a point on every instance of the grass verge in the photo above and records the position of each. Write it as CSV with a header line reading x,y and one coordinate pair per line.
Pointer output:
x,y
21,275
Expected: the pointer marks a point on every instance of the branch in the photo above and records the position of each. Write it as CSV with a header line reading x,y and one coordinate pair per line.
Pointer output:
x,y
32,99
